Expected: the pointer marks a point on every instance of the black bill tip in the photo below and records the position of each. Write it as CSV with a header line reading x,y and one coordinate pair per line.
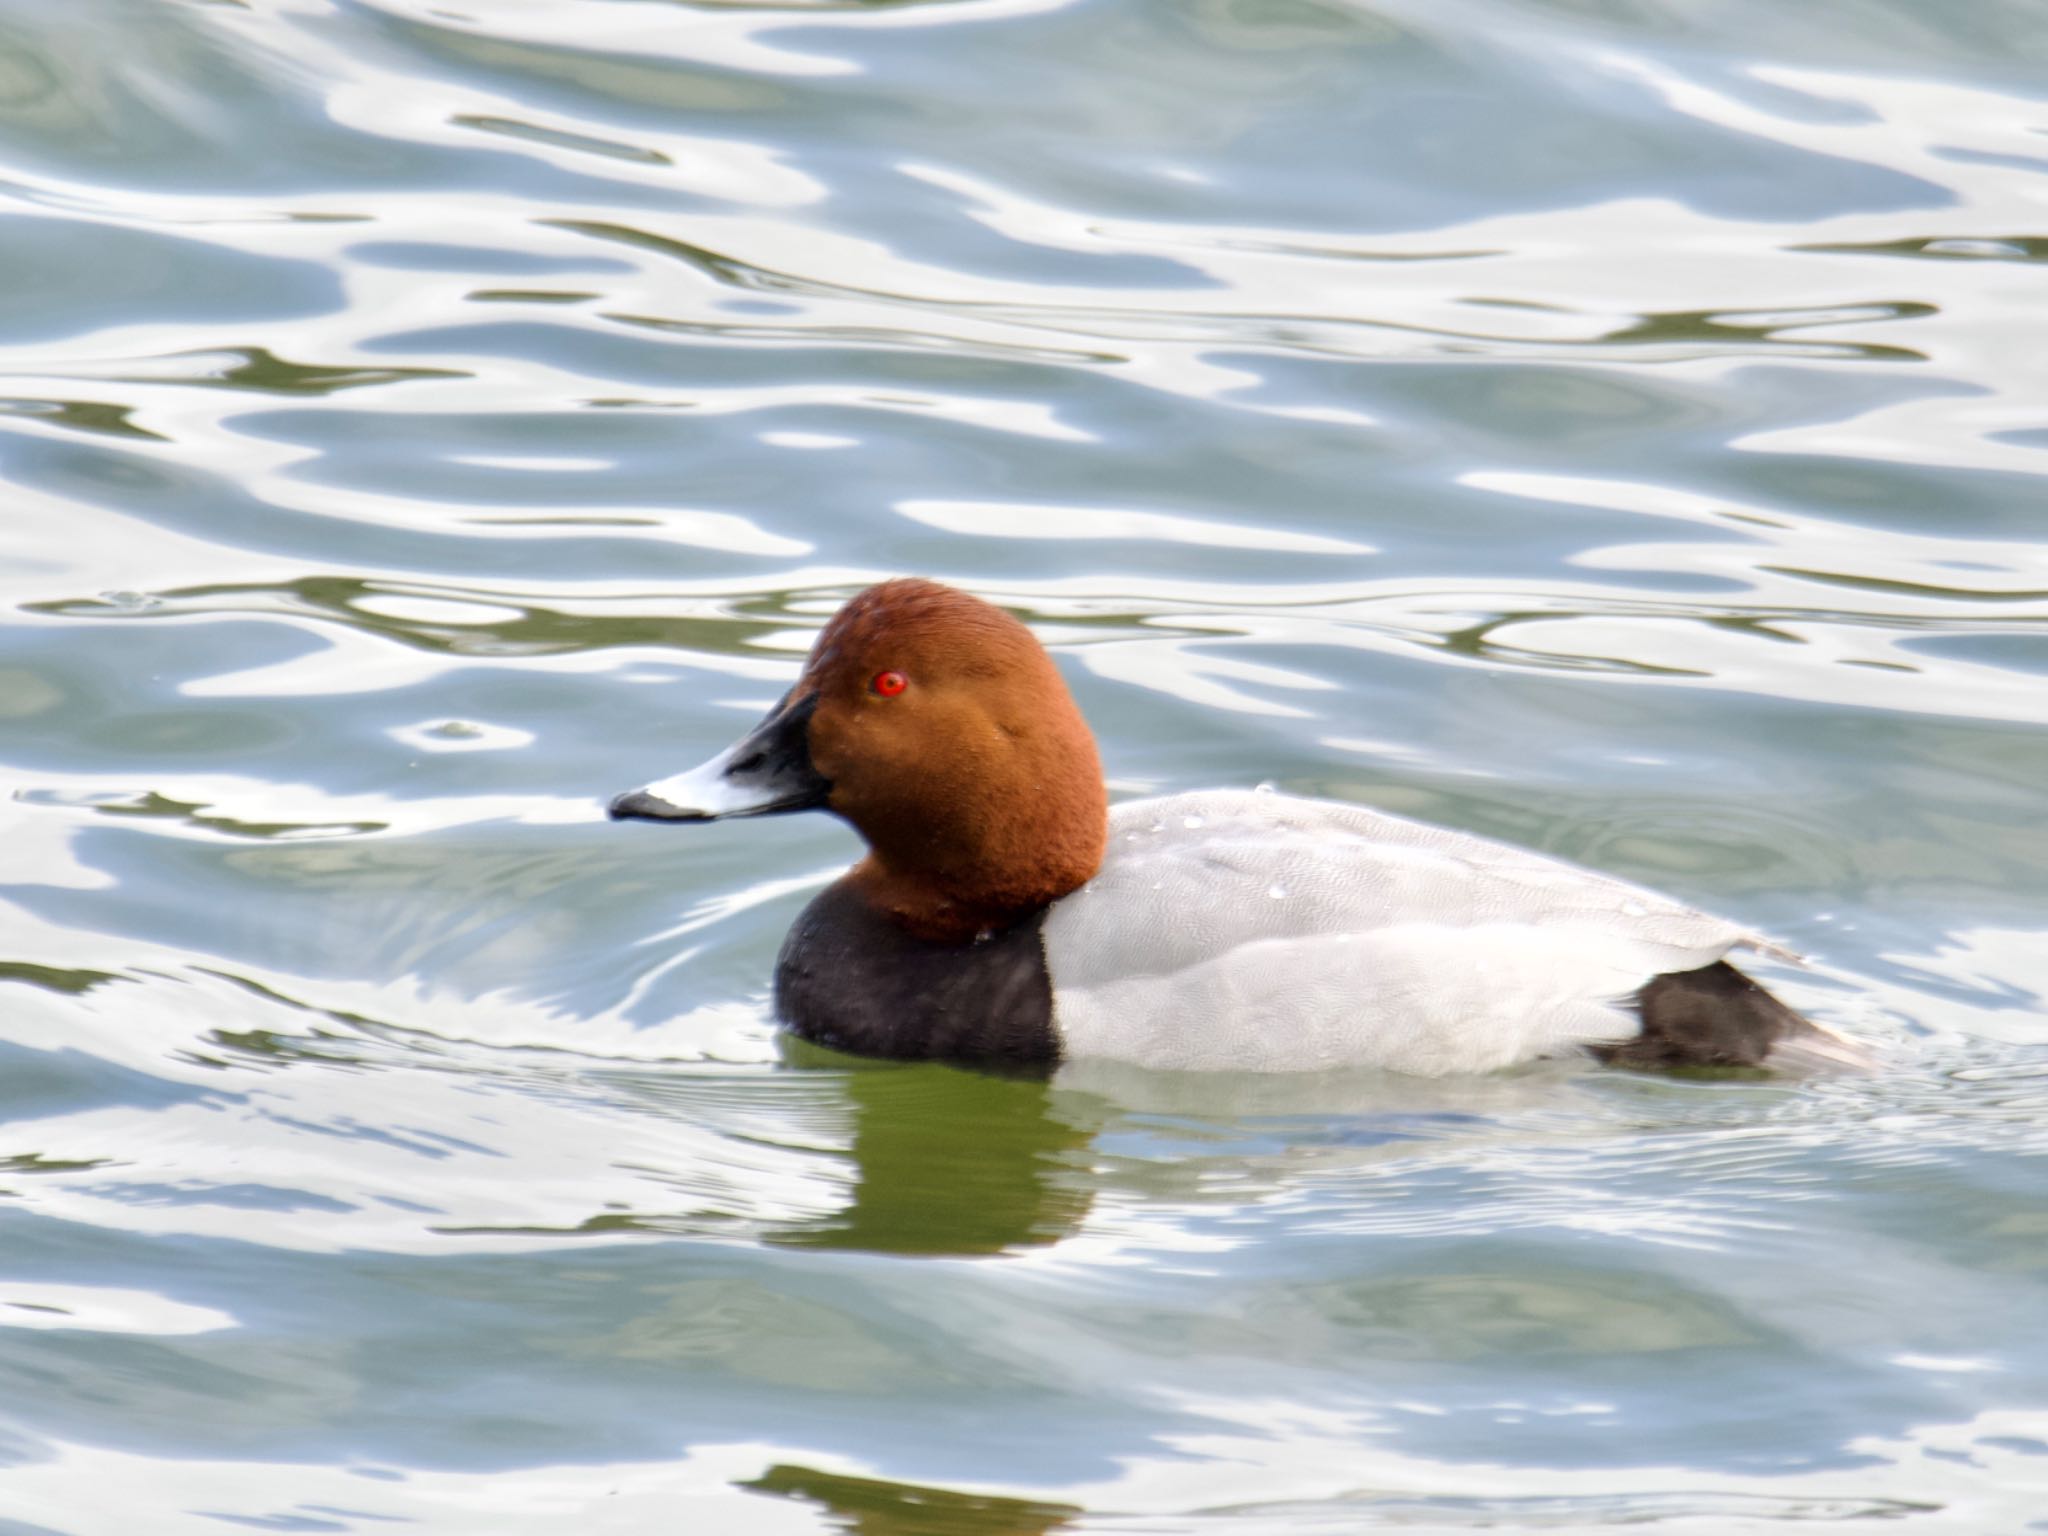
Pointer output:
x,y
638,805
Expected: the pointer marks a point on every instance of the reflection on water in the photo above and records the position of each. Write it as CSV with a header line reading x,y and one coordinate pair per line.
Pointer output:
x,y
949,1162
869,1507
1610,427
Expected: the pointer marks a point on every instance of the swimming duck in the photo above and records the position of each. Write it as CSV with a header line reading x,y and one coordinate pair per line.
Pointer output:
x,y
1006,914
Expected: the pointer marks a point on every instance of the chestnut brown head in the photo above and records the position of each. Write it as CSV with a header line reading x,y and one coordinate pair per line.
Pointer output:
x,y
937,725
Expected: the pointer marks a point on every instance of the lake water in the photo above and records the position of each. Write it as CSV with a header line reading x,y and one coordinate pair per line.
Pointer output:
x,y
1617,426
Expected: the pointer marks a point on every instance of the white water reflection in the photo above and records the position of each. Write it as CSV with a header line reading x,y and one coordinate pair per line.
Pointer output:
x,y
102,1309
1057,522
1606,428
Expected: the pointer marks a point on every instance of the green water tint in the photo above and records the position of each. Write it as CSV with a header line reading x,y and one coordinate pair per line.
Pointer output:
x,y
956,1163
1610,427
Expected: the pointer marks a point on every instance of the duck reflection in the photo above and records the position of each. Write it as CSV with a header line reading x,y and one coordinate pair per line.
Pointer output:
x,y
870,1506
955,1162
952,1161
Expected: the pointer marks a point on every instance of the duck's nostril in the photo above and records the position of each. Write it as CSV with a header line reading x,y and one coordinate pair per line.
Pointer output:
x,y
746,764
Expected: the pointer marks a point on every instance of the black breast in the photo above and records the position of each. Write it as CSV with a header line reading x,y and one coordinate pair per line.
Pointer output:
x,y
849,978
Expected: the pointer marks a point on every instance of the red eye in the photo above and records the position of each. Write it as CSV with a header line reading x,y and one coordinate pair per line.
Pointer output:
x,y
889,684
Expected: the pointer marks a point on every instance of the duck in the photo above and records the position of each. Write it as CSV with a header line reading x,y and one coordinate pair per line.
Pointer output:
x,y
1005,915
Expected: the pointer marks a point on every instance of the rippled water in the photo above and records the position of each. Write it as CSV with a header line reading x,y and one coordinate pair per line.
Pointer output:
x,y
1614,425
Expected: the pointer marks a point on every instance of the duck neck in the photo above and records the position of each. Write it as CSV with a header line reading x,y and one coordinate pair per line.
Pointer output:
x,y
954,889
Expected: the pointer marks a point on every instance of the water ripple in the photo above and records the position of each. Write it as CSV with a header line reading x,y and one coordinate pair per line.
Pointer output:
x,y
1614,428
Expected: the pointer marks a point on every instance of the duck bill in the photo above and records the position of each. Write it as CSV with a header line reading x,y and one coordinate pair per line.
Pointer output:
x,y
767,772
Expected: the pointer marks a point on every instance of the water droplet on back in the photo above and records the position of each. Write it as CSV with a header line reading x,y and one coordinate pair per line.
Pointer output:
x,y
1191,822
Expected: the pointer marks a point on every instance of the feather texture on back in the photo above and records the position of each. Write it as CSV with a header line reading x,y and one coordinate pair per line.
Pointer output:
x,y
1253,931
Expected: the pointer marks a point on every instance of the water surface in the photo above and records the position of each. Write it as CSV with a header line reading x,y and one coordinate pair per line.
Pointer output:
x,y
1613,426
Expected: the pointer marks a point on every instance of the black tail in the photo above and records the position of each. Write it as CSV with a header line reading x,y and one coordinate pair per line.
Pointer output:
x,y
1717,1017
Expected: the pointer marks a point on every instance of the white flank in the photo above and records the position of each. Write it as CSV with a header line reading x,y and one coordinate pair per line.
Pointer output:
x,y
1257,932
